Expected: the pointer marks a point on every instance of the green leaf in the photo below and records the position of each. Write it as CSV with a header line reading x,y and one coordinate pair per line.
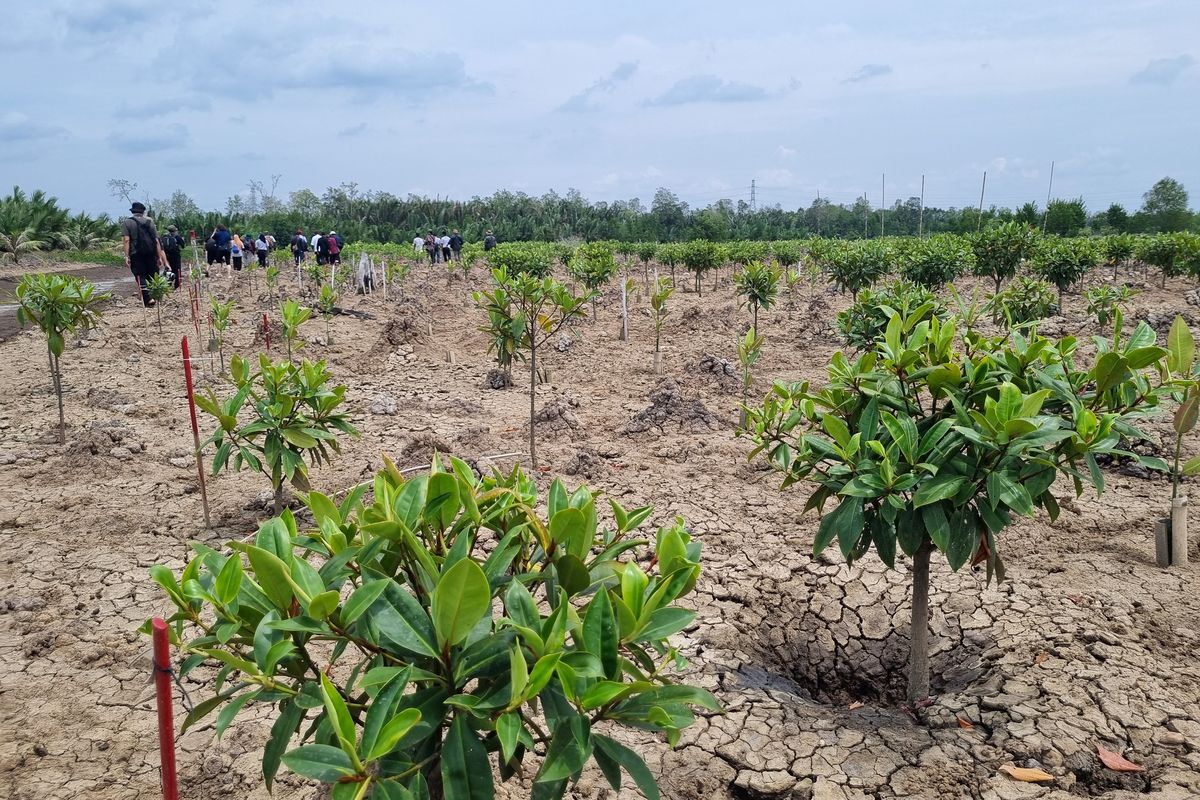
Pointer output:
x,y
570,747
319,762
461,599
846,522
1181,348
1186,415
362,599
664,622
566,527
1191,466
272,575
518,672
937,488
299,438
631,762
441,503
339,717
399,618
230,711
383,704
466,772
395,730
508,728
937,526
573,575
229,580
600,635
541,674
281,733
1000,485
605,692
323,604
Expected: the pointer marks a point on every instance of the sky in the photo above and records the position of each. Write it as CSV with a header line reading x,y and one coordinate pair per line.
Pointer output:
x,y
613,99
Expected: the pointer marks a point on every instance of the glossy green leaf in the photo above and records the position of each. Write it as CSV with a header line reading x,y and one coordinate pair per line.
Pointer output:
x,y
320,762
461,599
466,773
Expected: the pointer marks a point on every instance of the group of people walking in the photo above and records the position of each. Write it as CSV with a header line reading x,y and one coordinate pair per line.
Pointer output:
x,y
446,248
327,246
230,248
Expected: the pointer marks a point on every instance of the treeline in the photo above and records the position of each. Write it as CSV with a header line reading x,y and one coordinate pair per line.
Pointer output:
x,y
30,222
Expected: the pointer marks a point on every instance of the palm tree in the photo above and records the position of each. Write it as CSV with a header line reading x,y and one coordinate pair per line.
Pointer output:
x,y
79,237
16,242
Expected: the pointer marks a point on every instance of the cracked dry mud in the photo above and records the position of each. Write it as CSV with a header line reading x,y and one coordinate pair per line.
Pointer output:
x,y
1087,643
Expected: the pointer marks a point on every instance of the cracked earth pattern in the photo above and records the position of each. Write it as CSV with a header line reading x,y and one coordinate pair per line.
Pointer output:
x,y
1087,643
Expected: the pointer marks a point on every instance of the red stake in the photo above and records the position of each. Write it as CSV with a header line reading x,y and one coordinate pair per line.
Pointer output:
x,y
267,331
166,721
187,373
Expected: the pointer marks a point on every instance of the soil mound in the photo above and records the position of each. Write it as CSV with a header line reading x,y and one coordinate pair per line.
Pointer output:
x,y
714,369
558,416
669,404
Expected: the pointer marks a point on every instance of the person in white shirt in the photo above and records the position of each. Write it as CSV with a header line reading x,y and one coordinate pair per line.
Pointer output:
x,y
313,241
419,243
444,246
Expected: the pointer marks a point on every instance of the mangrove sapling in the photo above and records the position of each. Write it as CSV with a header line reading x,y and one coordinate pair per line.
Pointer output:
x,y
158,287
1117,249
1181,366
594,266
292,315
699,256
749,350
791,279
627,287
1025,300
1063,262
545,307
1103,302
59,305
325,305
452,661
505,327
758,286
856,265
272,281
294,414
658,313
999,250
220,320
788,253
645,252
930,444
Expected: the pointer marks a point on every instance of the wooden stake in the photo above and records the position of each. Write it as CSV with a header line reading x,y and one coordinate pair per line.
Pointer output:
x,y
191,393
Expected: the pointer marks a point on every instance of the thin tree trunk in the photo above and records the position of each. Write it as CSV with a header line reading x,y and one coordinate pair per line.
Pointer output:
x,y
918,659
279,499
56,380
532,397
756,320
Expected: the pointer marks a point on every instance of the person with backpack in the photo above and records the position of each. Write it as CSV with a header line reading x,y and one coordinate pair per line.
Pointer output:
x,y
489,241
143,250
431,248
299,246
235,251
172,245
322,248
456,243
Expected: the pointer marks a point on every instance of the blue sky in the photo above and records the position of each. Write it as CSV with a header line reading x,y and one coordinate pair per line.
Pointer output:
x,y
613,99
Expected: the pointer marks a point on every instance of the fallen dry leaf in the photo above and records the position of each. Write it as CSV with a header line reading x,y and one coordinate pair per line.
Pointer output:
x,y
1025,774
856,704
1116,761
962,723
1041,657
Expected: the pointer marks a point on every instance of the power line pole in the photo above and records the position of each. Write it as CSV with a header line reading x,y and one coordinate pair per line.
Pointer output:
x,y
979,219
1050,188
921,212
882,201
753,189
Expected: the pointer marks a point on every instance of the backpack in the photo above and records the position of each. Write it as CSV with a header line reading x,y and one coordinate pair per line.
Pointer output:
x,y
171,243
299,244
334,249
144,239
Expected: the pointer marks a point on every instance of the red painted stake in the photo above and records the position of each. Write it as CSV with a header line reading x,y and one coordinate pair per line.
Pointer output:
x,y
267,331
187,373
166,721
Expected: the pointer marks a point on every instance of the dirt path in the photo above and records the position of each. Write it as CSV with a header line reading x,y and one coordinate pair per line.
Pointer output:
x,y
1088,643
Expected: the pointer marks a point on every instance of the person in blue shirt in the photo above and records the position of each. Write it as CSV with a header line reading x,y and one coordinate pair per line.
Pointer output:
x,y
222,238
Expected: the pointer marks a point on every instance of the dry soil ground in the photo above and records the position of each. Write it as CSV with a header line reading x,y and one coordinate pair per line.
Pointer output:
x,y
1087,643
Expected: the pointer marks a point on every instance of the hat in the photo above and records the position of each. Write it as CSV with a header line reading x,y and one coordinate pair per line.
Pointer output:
x,y
331,233
137,208
172,229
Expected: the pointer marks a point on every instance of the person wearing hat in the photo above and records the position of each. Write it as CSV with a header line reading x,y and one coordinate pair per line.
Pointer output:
x,y
172,245
143,250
